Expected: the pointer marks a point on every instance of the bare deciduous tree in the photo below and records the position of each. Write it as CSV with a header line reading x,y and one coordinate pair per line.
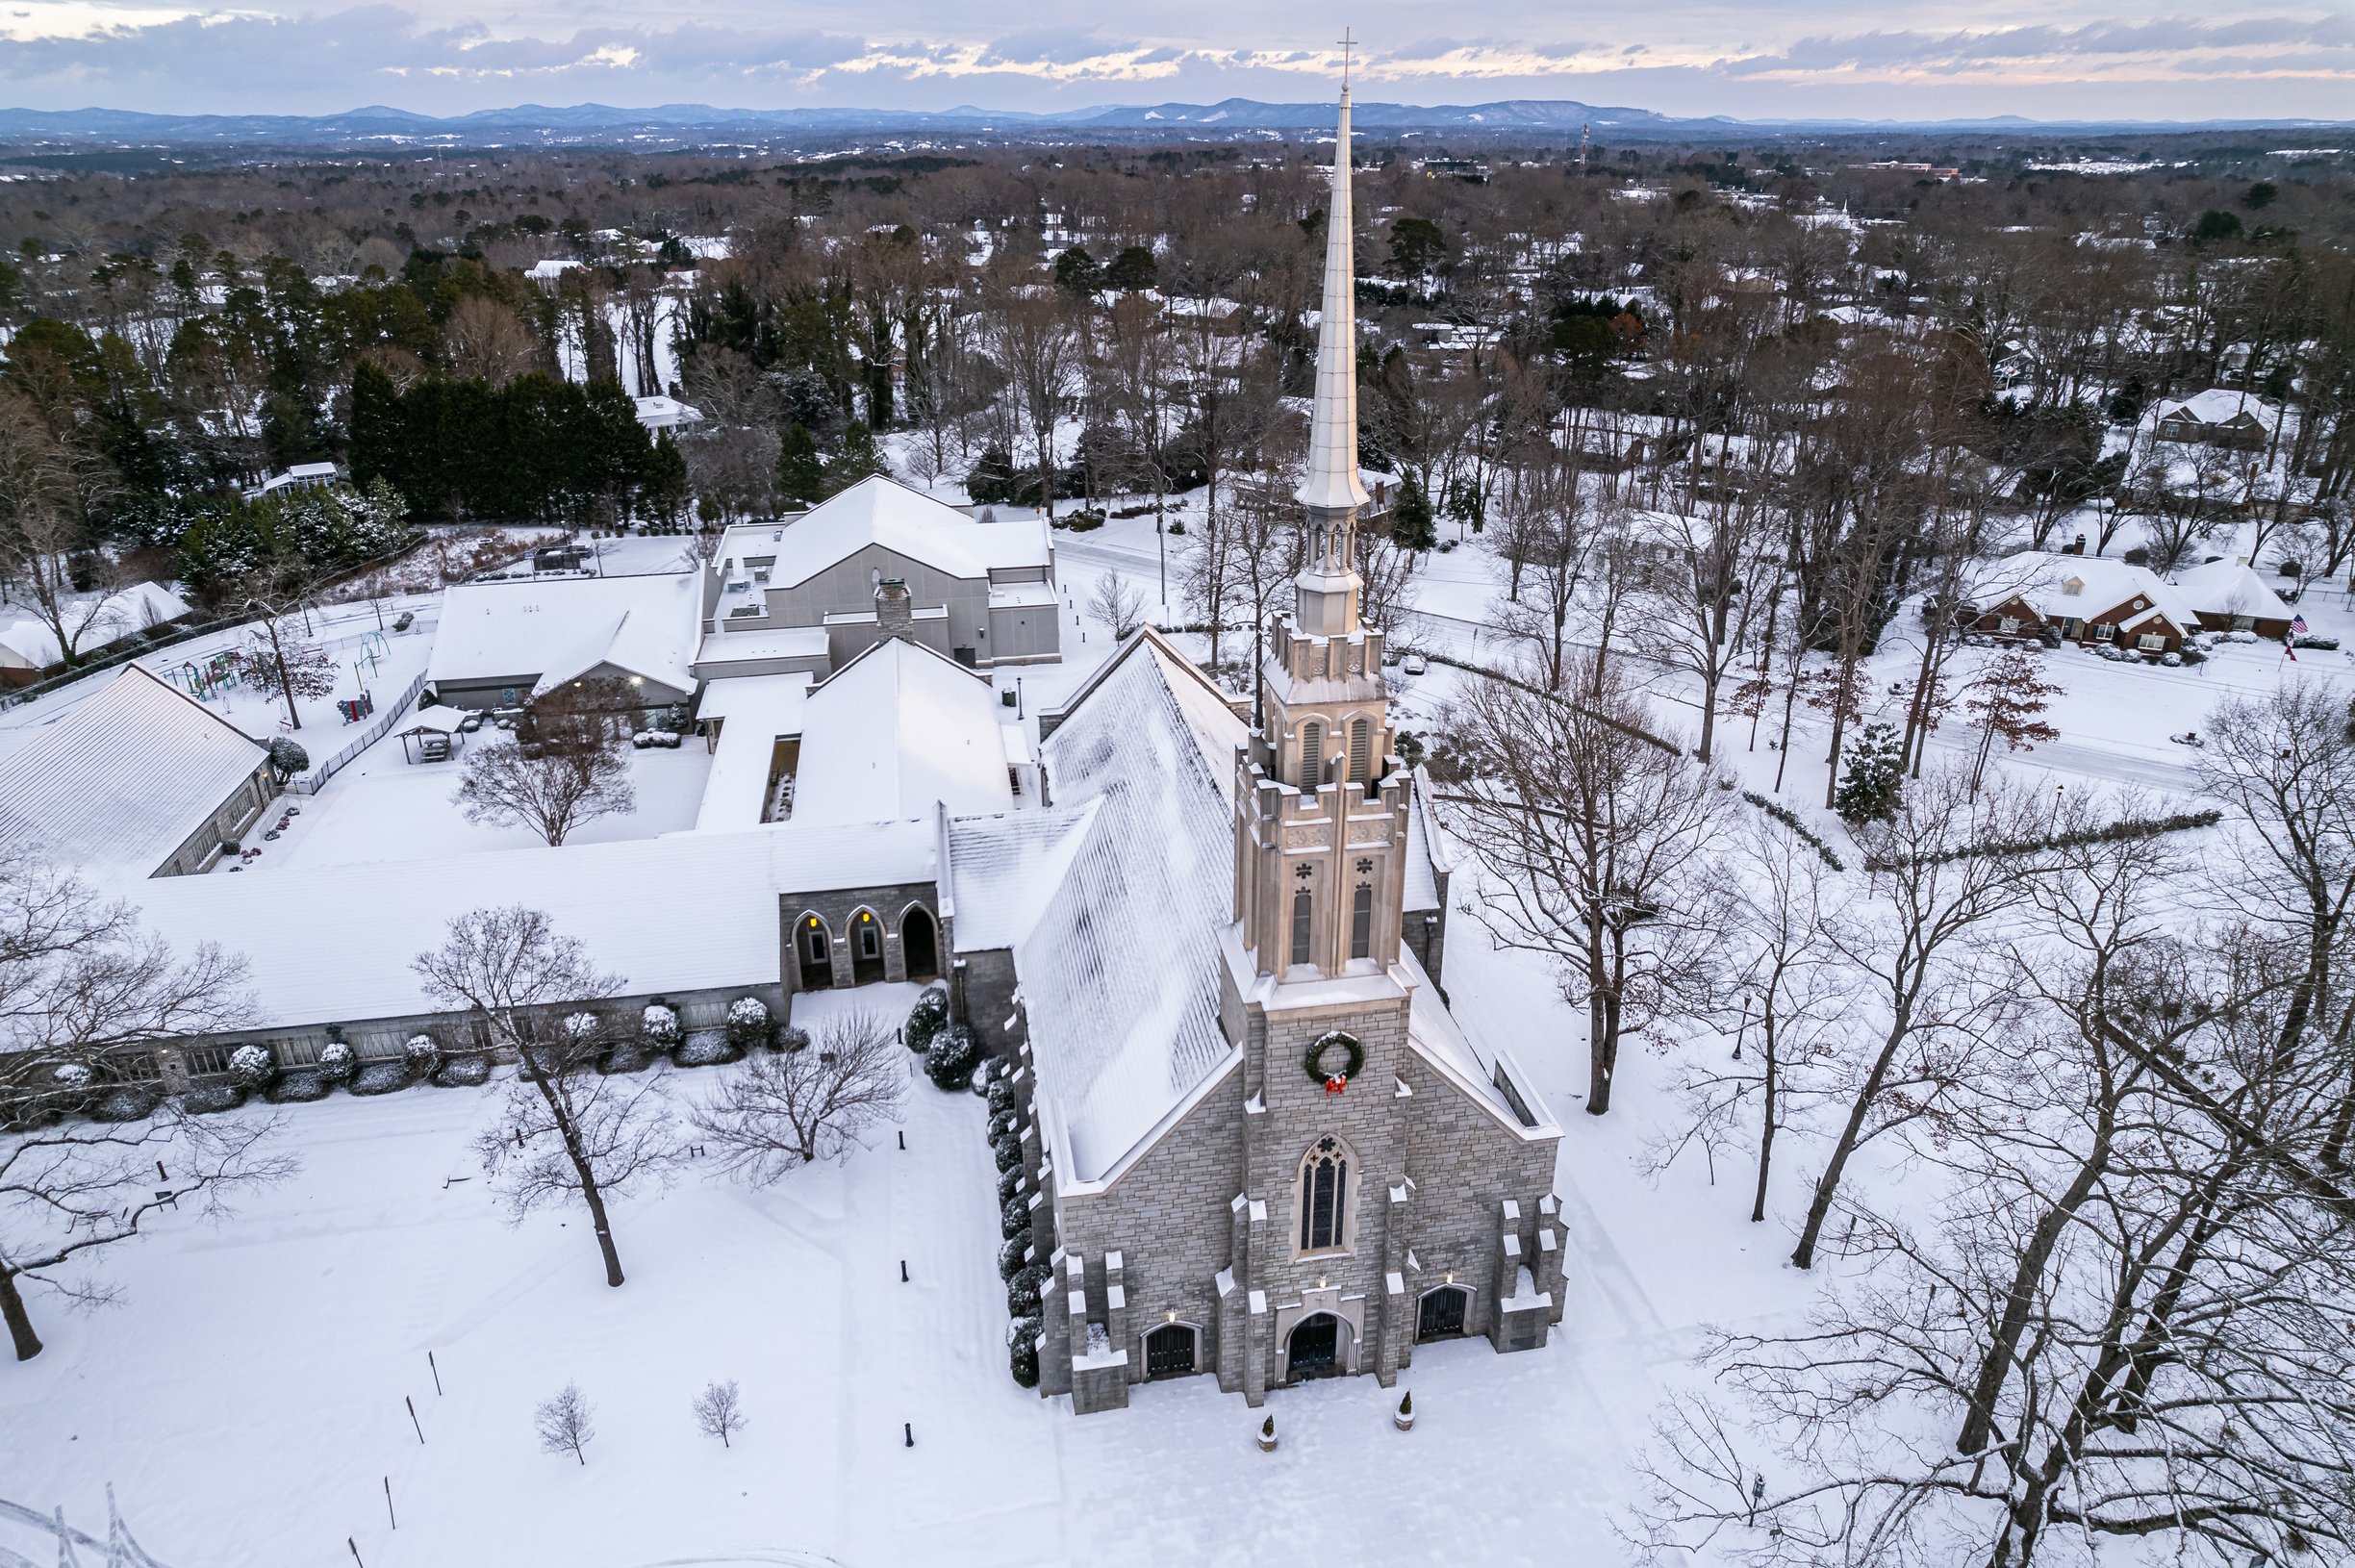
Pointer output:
x,y
719,1411
785,1109
488,341
565,1129
566,766
1118,604
563,1423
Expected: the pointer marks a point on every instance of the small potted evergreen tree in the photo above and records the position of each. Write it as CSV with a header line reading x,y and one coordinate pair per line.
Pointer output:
x,y
1267,1435
1403,1418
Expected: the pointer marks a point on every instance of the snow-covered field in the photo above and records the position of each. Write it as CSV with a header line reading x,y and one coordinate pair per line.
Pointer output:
x,y
247,1399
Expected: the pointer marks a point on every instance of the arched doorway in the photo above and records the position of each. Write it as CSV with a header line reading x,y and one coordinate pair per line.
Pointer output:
x,y
1169,1351
865,948
1442,1316
813,947
1314,1350
920,943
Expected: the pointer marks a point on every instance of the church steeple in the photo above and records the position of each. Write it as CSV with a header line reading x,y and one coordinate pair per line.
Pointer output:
x,y
1320,810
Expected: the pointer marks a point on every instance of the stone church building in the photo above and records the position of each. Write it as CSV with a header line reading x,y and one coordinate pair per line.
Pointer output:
x,y
1257,1143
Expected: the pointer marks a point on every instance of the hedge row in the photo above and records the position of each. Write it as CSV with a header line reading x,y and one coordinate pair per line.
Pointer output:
x,y
1790,819
2124,829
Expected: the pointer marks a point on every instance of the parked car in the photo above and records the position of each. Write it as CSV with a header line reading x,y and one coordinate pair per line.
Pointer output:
x,y
1415,664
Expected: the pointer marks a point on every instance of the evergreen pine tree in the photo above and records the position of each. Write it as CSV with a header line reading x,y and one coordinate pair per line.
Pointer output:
x,y
1410,519
856,459
1875,774
801,472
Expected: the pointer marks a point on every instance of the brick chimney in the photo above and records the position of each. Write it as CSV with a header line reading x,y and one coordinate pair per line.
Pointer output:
x,y
894,610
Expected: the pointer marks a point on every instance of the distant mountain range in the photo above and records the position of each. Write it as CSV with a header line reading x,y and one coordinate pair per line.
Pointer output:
x,y
674,125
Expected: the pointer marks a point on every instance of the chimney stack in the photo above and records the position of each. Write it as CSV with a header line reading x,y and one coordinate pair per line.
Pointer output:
x,y
894,610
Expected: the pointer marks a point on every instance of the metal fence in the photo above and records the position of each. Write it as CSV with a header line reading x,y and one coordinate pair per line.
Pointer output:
x,y
309,783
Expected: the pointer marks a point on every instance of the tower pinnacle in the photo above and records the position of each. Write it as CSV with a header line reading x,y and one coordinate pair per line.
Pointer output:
x,y
1331,485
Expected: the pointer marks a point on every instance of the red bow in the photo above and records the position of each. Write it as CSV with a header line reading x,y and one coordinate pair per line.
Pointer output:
x,y
1334,1085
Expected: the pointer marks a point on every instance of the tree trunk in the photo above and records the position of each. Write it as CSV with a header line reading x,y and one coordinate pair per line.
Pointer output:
x,y
19,1325
1767,1118
284,685
1827,1185
1602,1022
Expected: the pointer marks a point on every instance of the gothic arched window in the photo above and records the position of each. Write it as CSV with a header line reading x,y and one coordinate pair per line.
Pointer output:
x,y
1361,923
1304,907
1360,752
1312,755
1324,1194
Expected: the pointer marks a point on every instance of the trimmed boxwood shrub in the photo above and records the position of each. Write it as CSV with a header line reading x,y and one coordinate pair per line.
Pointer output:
x,y
624,1057
299,1088
382,1078
748,1024
252,1066
422,1053
1013,1253
999,1126
1009,1154
706,1049
790,1038
462,1071
131,1103
1002,1100
207,1099
1023,1290
948,1060
1009,1183
926,1019
659,1025
338,1062
1022,1350
1014,1216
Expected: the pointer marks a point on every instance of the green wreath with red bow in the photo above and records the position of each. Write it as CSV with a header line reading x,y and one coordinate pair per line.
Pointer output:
x,y
1321,1070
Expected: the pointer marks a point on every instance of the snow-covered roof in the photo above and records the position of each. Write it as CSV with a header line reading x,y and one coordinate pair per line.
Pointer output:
x,y
1119,967
660,413
1004,869
2080,587
98,619
884,512
2231,588
2219,405
755,711
115,784
685,911
896,732
555,628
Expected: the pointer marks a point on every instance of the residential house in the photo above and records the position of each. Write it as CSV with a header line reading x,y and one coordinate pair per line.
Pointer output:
x,y
2086,600
2216,417
503,642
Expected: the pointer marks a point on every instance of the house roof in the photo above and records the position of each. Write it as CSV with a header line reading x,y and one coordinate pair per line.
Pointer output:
x,y
2083,587
897,732
756,709
908,522
100,620
2218,406
556,628
117,782
2231,588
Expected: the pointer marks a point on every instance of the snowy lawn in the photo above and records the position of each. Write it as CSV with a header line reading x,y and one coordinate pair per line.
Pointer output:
x,y
247,1398
384,807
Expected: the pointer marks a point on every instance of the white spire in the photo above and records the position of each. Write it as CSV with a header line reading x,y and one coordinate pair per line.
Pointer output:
x,y
1331,482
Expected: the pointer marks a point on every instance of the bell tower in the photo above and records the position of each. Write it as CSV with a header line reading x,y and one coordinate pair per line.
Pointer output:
x,y
1319,803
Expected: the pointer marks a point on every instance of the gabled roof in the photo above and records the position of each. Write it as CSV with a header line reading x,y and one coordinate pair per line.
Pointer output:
x,y
99,620
2220,406
2231,588
556,628
2082,588
117,784
895,733
880,510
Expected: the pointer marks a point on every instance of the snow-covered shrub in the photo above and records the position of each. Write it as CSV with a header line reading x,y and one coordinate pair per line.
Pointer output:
x,y
949,1059
1013,1253
706,1049
1874,777
462,1071
1000,1126
206,1098
288,757
790,1038
580,1030
1009,1153
422,1053
1023,1290
624,1057
1013,1218
659,1025
252,1066
1009,1183
299,1088
1002,1100
338,1061
748,1024
926,1019
132,1103
382,1078
1022,1350
73,1075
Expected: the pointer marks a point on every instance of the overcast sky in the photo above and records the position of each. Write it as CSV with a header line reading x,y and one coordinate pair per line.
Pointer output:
x,y
2046,59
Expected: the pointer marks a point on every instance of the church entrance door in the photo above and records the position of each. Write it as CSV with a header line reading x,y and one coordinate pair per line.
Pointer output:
x,y
1169,1351
816,950
919,944
1443,1314
865,948
1316,1347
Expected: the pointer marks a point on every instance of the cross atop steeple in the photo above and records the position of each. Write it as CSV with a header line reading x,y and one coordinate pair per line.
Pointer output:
x,y
1348,42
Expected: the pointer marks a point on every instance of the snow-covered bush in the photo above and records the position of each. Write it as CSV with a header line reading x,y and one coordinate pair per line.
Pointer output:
x,y
299,1088
252,1066
1022,1350
422,1053
659,1025
748,1024
338,1061
464,1072
382,1078
1874,777
580,1029
1009,1153
1009,1183
1013,1253
1013,1218
1023,1290
790,1038
1002,1097
206,1098
132,1103
706,1049
72,1076
949,1058
926,1019
999,1126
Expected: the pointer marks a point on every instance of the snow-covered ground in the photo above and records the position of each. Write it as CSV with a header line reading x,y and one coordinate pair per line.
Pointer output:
x,y
247,1398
